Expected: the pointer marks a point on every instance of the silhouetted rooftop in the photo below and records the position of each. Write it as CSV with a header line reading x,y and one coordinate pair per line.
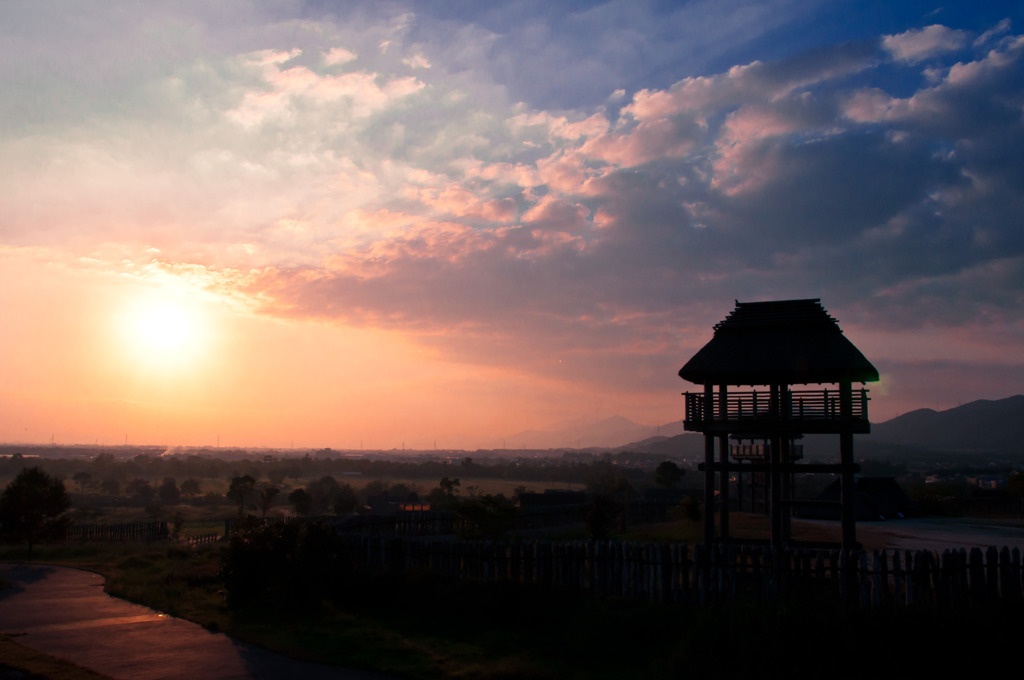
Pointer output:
x,y
779,342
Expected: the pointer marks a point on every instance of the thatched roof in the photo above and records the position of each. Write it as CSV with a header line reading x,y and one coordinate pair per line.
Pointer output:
x,y
780,342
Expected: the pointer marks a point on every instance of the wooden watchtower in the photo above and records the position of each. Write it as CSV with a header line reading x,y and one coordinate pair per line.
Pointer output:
x,y
796,370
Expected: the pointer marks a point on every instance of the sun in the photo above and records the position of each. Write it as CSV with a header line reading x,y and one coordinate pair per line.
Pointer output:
x,y
165,328
163,333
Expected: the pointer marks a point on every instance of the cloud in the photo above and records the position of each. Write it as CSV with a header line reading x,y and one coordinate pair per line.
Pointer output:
x,y
416,61
649,140
338,55
999,29
763,167
917,45
285,89
750,83
522,195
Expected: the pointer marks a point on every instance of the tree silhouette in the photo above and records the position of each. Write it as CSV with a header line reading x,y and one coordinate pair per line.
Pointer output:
x,y
444,495
346,500
141,489
168,491
191,487
83,478
323,492
301,501
266,498
241,491
668,475
31,506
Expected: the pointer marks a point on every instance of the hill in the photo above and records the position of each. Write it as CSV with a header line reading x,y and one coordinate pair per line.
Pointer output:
x,y
979,428
577,434
984,427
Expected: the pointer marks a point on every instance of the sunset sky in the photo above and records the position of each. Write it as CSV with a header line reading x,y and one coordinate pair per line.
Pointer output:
x,y
369,224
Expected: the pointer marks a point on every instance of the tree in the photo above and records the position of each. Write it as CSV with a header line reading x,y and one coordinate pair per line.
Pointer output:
x,y
489,517
301,501
168,491
83,478
323,491
111,487
31,506
449,486
444,495
603,516
609,508
266,498
141,489
668,474
241,491
346,501
191,487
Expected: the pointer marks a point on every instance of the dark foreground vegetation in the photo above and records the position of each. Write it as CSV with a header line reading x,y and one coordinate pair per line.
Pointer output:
x,y
291,586
294,590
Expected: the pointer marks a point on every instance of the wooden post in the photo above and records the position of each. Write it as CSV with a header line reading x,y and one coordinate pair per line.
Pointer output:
x,y
848,520
709,473
785,490
739,487
723,458
775,472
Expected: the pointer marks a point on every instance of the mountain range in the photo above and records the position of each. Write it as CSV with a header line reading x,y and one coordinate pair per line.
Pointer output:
x,y
580,433
983,427
979,427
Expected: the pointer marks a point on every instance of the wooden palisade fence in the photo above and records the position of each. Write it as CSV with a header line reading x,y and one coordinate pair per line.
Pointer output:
x,y
671,573
205,539
130,532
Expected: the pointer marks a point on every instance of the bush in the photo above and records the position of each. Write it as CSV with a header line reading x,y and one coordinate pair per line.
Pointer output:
x,y
290,564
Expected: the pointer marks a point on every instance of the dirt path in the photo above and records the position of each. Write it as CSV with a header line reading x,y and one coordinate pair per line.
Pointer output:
x,y
64,612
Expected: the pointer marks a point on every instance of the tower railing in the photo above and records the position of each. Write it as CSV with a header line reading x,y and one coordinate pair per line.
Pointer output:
x,y
759,406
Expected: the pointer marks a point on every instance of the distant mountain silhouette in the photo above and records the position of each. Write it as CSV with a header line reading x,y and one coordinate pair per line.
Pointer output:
x,y
580,433
979,427
689,446
983,426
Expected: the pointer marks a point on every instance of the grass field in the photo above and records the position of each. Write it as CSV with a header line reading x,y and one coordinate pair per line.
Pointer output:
x,y
414,625
417,626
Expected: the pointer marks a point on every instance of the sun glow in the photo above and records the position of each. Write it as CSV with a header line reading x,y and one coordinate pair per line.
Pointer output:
x,y
165,328
166,334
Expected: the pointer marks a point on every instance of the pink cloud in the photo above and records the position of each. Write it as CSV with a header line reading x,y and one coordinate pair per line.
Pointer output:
x,y
555,214
686,96
938,104
565,172
756,82
871,106
741,162
338,55
596,124
919,44
362,89
561,126
454,199
650,140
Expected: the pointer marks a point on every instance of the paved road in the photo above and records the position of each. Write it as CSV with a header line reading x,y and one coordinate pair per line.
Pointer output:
x,y
931,533
64,612
939,533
